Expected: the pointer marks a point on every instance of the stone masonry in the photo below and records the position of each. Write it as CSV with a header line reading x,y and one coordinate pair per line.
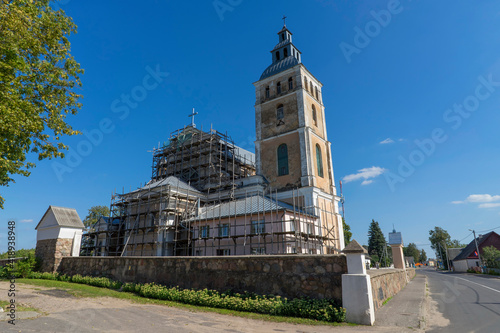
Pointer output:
x,y
315,276
51,251
388,282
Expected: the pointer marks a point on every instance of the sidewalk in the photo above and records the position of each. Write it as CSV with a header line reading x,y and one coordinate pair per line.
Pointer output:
x,y
405,309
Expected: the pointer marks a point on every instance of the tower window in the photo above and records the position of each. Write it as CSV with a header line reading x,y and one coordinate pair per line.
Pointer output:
x,y
311,87
267,92
290,83
317,95
315,118
282,160
282,37
279,112
285,53
305,82
319,161
278,88
277,55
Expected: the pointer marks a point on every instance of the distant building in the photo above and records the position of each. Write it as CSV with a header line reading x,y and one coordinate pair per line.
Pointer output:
x,y
468,258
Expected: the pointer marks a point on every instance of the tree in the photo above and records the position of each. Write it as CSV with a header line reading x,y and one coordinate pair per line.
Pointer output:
x,y
455,244
423,256
95,214
37,80
440,240
412,251
376,239
347,233
491,257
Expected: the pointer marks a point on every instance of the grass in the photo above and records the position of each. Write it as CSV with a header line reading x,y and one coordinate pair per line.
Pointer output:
x,y
81,290
19,307
387,300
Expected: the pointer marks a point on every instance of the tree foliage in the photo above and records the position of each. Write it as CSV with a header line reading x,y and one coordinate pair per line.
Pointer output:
x,y
38,76
423,256
491,257
440,240
95,214
347,232
412,251
376,239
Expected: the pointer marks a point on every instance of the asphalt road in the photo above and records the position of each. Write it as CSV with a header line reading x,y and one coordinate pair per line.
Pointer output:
x,y
465,302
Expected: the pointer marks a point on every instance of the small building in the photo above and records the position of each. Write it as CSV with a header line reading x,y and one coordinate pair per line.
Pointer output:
x,y
59,234
410,261
468,258
431,263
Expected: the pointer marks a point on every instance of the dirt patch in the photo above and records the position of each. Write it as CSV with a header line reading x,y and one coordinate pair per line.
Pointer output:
x,y
60,293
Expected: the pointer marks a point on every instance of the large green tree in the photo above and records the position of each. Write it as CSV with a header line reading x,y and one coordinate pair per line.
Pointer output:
x,y
440,240
95,214
38,77
347,232
376,239
423,256
491,257
412,251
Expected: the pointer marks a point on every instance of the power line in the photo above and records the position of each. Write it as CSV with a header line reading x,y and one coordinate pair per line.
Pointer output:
x,y
489,229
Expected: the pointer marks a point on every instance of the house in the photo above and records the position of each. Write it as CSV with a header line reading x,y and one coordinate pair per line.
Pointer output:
x,y
468,258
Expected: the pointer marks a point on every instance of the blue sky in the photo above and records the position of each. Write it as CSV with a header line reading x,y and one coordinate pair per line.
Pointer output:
x,y
408,154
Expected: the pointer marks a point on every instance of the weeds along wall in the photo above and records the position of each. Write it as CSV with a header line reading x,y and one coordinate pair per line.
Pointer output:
x,y
315,276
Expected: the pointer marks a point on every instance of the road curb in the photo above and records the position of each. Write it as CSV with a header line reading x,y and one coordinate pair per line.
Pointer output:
x,y
423,308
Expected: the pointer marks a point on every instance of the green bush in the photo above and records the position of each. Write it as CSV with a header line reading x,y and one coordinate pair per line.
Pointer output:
x,y
21,268
323,310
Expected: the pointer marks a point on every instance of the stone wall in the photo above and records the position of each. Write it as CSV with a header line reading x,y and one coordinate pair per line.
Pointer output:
x,y
316,276
388,282
5,262
51,251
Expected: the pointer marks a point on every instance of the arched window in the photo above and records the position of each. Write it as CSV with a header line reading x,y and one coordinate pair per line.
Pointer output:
x,y
317,95
315,118
267,92
290,83
285,53
279,112
282,160
277,55
278,88
311,87
305,83
282,37
319,161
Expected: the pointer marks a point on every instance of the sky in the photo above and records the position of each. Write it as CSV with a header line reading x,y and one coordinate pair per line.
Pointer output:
x,y
411,90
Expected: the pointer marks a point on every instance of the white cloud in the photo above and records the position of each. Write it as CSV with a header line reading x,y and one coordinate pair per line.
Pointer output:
x,y
489,205
386,141
366,174
479,198
26,221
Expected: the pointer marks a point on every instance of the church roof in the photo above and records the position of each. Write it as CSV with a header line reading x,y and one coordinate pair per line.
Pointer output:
x,y
251,205
173,181
279,66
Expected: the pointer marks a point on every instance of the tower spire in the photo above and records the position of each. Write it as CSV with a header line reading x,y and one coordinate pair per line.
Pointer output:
x,y
284,20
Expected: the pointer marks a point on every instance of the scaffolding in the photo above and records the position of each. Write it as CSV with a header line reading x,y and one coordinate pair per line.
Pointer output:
x,y
205,199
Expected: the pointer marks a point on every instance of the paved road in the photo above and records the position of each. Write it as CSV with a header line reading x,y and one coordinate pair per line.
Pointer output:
x,y
463,302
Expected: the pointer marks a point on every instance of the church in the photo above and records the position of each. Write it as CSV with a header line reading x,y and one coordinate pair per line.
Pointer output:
x,y
209,197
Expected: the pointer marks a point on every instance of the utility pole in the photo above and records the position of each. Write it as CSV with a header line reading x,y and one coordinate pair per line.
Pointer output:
x,y
447,260
477,249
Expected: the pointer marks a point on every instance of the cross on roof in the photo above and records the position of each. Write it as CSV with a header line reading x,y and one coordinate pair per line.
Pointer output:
x,y
192,119
284,20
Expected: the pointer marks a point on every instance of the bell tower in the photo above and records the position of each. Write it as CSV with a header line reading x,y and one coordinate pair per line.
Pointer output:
x,y
292,149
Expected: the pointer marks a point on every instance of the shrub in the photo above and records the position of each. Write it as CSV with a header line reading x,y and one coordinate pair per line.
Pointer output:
x,y
323,310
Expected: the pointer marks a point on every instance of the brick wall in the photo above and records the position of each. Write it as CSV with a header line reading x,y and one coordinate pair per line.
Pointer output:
x,y
388,282
316,276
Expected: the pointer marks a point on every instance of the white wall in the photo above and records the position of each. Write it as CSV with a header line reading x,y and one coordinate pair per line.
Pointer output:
x,y
460,265
55,232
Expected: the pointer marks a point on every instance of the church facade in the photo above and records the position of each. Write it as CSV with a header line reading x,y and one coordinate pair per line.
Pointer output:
x,y
207,196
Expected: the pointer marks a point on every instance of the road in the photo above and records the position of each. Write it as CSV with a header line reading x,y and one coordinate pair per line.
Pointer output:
x,y
462,302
